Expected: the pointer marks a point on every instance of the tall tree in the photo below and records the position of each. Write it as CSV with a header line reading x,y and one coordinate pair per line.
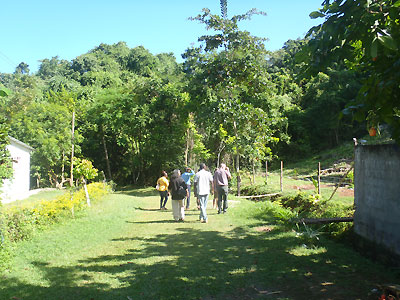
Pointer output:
x,y
229,86
22,68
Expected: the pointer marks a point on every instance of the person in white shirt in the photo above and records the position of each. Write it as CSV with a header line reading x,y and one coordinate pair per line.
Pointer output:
x,y
203,179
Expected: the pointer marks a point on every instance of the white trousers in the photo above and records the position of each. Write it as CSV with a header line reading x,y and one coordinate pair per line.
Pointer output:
x,y
178,209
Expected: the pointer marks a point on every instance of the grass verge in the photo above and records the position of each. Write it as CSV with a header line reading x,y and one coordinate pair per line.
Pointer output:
x,y
125,248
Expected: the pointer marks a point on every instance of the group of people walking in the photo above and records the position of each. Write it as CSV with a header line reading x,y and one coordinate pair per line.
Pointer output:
x,y
204,183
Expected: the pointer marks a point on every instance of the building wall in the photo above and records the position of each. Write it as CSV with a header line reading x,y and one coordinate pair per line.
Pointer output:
x,y
17,187
377,194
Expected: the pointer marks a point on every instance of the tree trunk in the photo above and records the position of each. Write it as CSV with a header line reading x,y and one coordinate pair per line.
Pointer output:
x,y
237,162
71,182
106,154
141,162
63,169
220,149
281,181
254,171
187,147
238,174
38,181
319,178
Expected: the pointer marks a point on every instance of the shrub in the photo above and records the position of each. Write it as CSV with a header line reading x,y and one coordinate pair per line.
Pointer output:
x,y
19,224
288,210
256,189
275,212
302,202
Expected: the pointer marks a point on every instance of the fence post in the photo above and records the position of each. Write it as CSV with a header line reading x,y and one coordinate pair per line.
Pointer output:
x,y
319,178
281,176
266,172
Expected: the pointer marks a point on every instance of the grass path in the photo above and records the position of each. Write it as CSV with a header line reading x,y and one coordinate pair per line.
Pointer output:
x,y
124,248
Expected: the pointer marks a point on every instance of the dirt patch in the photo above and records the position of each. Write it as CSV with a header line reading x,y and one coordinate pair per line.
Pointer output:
x,y
346,192
264,228
309,187
303,187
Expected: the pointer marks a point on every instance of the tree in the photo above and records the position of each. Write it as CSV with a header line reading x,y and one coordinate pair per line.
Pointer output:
x,y
5,160
364,36
46,126
85,171
145,125
69,100
141,61
22,68
229,85
53,67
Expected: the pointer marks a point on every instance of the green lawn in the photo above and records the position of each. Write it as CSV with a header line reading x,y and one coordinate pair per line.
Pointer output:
x,y
44,194
124,248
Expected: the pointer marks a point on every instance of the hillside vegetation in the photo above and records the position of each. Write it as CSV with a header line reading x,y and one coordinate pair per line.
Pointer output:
x,y
134,113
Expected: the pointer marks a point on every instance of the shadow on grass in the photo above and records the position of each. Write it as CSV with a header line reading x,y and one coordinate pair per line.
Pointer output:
x,y
153,222
149,209
198,264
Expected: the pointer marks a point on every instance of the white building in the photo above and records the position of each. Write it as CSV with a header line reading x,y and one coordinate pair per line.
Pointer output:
x,y
17,187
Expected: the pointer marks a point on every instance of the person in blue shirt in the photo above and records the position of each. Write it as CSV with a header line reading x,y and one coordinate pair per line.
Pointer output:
x,y
186,176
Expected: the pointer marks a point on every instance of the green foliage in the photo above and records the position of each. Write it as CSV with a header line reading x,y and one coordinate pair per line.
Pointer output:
x,y
53,67
139,113
301,202
5,160
317,123
350,177
83,168
141,123
309,235
256,189
364,36
46,127
232,96
289,209
22,68
274,212
224,8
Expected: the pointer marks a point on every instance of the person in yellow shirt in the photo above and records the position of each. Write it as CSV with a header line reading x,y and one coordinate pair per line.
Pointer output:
x,y
163,184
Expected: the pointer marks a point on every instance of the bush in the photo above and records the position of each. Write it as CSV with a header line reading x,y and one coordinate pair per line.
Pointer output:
x,y
274,212
288,210
19,224
302,202
256,189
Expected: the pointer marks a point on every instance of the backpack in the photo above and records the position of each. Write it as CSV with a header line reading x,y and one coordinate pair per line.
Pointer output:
x,y
181,192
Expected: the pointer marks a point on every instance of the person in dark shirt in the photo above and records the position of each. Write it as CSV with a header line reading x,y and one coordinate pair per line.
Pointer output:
x,y
179,192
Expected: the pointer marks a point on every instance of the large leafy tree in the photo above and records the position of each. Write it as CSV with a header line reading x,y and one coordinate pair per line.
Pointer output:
x,y
46,126
141,129
22,68
327,94
364,35
230,87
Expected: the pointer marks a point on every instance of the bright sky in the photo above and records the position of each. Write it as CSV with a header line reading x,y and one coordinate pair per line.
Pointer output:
x,y
34,30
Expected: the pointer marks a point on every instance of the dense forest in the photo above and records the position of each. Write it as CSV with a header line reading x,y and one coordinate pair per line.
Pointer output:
x,y
133,113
